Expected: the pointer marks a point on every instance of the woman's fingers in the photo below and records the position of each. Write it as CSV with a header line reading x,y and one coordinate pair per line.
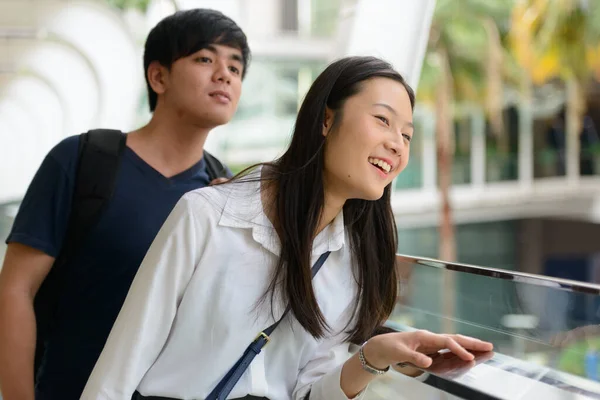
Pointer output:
x,y
418,359
473,344
457,349
429,342
416,346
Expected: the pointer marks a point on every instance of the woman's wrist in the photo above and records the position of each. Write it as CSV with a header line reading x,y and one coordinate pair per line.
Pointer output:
x,y
368,367
371,355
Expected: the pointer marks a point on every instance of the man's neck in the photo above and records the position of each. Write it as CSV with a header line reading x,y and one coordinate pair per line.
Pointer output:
x,y
170,147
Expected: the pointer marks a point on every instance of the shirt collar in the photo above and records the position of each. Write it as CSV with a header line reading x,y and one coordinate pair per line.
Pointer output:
x,y
243,209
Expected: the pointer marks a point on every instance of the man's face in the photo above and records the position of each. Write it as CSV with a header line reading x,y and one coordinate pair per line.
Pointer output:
x,y
205,87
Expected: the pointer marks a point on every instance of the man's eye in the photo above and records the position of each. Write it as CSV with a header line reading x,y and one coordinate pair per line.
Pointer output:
x,y
235,70
204,59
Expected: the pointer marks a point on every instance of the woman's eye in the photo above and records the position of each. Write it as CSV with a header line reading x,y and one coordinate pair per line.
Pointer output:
x,y
204,59
383,119
407,136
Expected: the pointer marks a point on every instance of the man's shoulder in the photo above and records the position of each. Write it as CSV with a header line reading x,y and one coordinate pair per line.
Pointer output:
x,y
67,147
65,152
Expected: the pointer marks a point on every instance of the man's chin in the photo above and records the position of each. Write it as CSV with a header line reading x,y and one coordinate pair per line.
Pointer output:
x,y
214,120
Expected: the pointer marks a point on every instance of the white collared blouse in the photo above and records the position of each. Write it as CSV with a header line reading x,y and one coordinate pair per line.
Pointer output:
x,y
193,308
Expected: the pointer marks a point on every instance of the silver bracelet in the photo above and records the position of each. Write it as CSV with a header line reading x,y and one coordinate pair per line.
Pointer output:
x,y
368,367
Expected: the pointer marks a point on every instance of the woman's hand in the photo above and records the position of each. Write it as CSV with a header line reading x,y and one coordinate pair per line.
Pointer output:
x,y
398,347
218,181
387,349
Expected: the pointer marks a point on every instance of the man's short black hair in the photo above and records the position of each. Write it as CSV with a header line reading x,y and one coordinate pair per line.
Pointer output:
x,y
186,32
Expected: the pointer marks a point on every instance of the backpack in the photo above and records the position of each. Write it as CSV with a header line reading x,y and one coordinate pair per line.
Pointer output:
x,y
99,158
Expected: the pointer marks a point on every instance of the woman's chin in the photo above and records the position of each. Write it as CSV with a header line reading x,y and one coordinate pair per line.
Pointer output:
x,y
371,195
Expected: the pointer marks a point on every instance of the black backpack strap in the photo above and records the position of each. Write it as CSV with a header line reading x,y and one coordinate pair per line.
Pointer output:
x,y
214,167
98,163
100,153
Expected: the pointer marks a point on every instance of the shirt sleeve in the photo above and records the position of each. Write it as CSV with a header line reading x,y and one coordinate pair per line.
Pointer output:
x,y
321,376
43,215
145,320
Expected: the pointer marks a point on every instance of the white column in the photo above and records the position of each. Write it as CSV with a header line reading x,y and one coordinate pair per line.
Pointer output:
x,y
260,19
395,30
478,152
429,160
304,17
573,148
231,8
525,144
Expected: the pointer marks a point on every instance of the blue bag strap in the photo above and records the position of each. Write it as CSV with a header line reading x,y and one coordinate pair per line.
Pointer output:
x,y
222,390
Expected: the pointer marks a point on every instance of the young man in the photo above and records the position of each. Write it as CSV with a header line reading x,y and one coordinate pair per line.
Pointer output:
x,y
194,62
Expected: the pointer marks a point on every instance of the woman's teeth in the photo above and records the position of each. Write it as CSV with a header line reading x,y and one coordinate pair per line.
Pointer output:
x,y
381,164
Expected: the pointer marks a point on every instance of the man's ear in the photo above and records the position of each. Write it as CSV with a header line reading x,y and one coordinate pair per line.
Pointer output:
x,y
327,121
157,77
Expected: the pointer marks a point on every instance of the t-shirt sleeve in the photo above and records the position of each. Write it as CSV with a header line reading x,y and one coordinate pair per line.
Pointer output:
x,y
43,216
228,172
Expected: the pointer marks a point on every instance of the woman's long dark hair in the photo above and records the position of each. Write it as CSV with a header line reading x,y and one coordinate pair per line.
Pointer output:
x,y
299,201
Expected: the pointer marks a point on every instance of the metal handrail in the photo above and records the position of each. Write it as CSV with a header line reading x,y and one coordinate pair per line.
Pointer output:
x,y
515,276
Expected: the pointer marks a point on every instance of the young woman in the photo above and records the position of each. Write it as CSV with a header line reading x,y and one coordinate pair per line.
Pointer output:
x,y
231,258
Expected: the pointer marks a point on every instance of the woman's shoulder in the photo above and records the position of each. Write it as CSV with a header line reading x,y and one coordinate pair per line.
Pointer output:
x,y
229,195
207,204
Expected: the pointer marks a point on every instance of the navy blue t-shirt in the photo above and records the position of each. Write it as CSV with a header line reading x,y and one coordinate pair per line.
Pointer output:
x,y
100,275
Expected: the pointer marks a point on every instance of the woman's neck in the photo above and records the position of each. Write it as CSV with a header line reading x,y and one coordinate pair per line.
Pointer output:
x,y
331,206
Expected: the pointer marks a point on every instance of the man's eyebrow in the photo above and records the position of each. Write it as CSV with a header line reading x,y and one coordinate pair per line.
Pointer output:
x,y
233,56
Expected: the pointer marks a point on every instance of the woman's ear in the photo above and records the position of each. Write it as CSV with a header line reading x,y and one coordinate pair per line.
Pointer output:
x,y
327,121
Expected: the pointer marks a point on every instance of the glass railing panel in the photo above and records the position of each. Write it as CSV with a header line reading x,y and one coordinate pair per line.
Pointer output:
x,y
544,330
